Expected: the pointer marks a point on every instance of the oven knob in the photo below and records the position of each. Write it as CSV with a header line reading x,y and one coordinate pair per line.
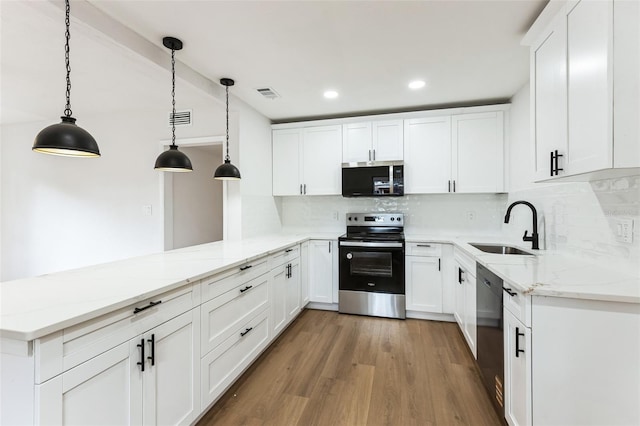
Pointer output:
x,y
399,219
349,256
392,219
355,218
349,218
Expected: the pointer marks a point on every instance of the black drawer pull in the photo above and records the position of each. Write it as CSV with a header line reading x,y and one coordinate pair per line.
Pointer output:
x,y
141,363
153,349
423,245
288,250
244,268
518,350
460,272
242,290
150,305
246,331
510,292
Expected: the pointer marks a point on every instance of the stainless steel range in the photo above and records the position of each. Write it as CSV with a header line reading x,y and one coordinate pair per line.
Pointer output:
x,y
372,265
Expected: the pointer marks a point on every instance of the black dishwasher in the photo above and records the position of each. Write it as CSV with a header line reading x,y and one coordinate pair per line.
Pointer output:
x,y
490,345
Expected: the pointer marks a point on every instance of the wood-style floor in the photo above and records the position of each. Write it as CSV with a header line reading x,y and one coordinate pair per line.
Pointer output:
x,y
334,369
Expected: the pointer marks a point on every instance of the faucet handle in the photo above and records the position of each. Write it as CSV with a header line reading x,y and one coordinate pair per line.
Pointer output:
x,y
525,238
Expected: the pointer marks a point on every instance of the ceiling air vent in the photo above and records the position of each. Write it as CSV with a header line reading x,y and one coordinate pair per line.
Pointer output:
x,y
268,93
182,118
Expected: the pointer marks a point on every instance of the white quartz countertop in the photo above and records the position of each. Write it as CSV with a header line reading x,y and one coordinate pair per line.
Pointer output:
x,y
546,273
34,307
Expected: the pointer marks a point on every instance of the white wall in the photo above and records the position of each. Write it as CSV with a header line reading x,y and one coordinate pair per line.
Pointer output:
x,y
197,199
577,218
60,213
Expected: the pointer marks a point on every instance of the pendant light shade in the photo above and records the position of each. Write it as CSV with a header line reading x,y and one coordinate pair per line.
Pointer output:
x,y
227,171
65,138
173,160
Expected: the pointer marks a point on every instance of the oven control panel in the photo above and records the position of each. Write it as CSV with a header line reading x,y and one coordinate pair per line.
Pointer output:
x,y
375,219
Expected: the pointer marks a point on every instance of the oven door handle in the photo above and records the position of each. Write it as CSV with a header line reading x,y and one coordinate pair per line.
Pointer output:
x,y
369,244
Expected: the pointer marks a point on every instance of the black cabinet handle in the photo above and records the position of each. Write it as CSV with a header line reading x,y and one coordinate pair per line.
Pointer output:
x,y
242,290
150,305
244,268
510,292
518,350
288,250
153,349
454,185
551,163
449,186
423,245
247,330
141,363
329,246
460,271
557,169
438,264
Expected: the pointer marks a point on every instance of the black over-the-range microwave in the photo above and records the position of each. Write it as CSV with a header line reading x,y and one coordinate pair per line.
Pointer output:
x,y
373,179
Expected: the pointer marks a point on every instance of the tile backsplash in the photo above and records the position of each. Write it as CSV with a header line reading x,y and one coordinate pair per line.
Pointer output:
x,y
581,218
434,214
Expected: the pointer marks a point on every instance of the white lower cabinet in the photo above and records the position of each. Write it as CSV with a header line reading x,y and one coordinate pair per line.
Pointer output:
x,y
517,371
285,292
221,366
151,379
321,267
465,298
304,274
424,278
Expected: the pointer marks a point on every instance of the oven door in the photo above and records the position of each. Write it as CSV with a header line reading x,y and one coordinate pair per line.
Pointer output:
x,y
376,267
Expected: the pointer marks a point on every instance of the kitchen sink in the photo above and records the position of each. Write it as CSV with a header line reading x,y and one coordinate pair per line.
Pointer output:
x,y
499,249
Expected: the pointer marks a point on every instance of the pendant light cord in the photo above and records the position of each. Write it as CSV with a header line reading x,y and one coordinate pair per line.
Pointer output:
x,y
173,97
67,36
227,156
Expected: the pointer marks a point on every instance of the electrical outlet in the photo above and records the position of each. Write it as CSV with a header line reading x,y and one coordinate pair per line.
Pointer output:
x,y
471,216
624,230
147,210
335,216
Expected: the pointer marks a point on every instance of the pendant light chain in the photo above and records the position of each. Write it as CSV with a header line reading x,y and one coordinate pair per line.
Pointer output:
x,y
67,36
173,97
227,156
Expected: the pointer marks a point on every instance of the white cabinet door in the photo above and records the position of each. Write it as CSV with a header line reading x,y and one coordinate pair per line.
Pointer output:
x,y
356,142
427,155
517,371
321,152
478,152
387,140
171,391
470,321
292,286
549,98
320,271
589,72
304,274
278,299
460,302
287,171
105,390
424,284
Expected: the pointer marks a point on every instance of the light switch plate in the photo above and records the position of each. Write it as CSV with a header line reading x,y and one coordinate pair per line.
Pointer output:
x,y
624,230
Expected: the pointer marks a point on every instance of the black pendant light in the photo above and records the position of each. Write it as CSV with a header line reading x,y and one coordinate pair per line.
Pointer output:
x,y
173,160
66,138
227,171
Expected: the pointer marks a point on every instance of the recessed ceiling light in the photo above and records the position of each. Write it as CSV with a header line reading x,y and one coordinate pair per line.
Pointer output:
x,y
416,84
330,94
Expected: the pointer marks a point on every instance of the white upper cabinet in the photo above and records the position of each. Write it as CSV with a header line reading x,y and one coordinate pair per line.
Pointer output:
x,y
454,153
477,163
372,141
585,79
306,161
427,153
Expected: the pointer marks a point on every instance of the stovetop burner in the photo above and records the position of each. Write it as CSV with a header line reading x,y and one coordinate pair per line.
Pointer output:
x,y
374,227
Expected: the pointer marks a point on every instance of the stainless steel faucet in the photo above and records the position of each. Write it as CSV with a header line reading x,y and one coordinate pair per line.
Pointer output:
x,y
534,236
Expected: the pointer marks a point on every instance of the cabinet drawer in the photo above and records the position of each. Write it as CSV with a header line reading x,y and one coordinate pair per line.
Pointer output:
x,y
424,249
84,341
221,366
223,282
518,303
224,314
285,256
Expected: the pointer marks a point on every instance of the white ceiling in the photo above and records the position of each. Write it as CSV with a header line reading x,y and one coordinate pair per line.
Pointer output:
x,y
468,52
